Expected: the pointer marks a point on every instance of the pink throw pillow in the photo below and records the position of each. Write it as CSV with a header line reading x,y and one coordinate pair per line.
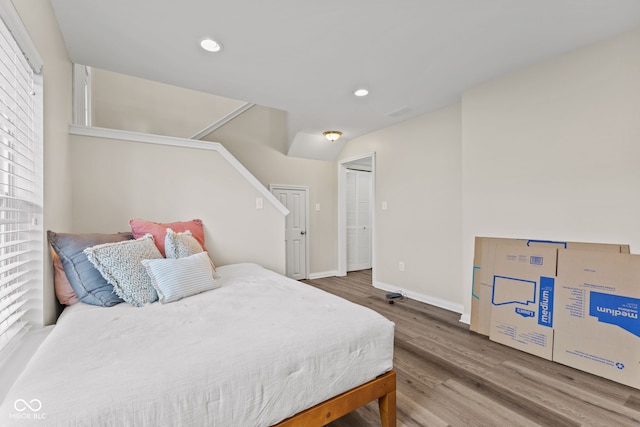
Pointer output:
x,y
65,293
158,230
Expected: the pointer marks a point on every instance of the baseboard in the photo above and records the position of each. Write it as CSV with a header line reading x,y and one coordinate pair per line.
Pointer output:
x,y
323,274
438,302
465,318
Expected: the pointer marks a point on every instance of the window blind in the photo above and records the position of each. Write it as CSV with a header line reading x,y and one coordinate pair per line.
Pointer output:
x,y
20,190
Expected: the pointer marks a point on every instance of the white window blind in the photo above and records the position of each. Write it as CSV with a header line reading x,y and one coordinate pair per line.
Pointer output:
x,y
20,191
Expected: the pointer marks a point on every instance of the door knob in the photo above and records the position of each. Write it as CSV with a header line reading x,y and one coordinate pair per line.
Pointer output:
x,y
303,232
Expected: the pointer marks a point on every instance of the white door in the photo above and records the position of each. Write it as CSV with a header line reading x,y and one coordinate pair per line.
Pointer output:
x,y
359,185
295,199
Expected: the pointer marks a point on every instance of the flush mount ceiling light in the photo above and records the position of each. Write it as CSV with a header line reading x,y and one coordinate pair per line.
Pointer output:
x,y
211,45
332,135
361,92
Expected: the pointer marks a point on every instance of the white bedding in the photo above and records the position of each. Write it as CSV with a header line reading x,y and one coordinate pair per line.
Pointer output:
x,y
251,353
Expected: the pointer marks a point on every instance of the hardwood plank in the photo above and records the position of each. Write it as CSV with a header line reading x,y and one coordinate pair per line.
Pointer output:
x,y
499,393
614,392
415,402
557,396
461,405
459,357
426,374
450,376
413,414
633,402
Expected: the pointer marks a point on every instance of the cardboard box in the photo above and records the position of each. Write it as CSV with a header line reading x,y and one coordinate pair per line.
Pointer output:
x,y
597,307
482,284
483,263
522,298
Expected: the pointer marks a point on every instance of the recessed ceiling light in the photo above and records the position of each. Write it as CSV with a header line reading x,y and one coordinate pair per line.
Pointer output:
x,y
361,92
211,45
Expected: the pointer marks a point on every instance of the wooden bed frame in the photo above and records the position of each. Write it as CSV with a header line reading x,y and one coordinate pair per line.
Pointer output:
x,y
382,388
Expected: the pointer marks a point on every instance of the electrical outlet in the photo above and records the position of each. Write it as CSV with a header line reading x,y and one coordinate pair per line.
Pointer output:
x,y
401,266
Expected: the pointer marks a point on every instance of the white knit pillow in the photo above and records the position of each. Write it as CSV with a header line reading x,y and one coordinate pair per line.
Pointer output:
x,y
180,245
174,279
183,244
121,265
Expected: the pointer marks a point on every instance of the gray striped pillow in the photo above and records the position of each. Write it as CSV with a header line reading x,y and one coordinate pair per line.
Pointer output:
x,y
174,279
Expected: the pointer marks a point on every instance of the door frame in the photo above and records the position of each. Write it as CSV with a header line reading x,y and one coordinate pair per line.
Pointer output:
x,y
342,212
304,188
358,174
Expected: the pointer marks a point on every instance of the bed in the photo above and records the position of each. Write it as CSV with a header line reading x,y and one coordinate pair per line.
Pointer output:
x,y
260,350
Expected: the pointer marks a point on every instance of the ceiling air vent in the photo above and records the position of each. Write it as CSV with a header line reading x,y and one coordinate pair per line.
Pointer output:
x,y
399,112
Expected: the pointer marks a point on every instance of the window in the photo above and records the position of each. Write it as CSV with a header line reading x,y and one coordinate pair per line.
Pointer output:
x,y
21,237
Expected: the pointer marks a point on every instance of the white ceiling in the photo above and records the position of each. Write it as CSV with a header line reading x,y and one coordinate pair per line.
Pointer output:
x,y
306,57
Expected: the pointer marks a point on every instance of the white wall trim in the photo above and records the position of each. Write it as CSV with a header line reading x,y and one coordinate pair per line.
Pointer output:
x,y
81,86
223,120
465,318
323,274
12,20
427,299
147,138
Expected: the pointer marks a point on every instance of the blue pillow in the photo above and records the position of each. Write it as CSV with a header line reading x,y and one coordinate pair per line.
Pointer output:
x,y
86,281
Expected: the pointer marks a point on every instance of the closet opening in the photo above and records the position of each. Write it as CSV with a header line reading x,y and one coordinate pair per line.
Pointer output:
x,y
356,208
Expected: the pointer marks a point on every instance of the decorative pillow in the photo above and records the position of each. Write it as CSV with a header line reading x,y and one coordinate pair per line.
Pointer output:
x,y
175,279
121,265
61,285
180,245
140,227
86,281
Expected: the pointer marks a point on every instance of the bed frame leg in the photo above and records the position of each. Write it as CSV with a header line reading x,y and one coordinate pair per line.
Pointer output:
x,y
387,405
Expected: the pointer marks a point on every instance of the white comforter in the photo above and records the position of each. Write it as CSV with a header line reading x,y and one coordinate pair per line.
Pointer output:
x,y
251,353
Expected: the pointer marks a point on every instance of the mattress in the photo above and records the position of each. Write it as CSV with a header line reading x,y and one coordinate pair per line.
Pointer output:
x,y
257,350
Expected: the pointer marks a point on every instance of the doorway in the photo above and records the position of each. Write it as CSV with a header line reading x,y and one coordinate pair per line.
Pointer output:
x,y
359,189
356,244
295,198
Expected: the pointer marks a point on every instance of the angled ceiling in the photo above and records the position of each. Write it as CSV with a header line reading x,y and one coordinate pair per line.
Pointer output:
x,y
307,57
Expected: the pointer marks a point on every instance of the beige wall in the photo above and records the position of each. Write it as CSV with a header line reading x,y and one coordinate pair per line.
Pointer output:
x,y
551,152
547,152
115,180
42,26
130,103
418,175
258,139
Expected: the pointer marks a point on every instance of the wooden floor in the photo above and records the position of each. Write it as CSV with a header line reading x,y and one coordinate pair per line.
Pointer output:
x,y
449,376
